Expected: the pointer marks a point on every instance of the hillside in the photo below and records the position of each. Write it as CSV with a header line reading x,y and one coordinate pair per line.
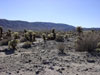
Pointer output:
x,y
21,25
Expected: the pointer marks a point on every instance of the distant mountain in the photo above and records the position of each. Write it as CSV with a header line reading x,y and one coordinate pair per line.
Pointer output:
x,y
21,25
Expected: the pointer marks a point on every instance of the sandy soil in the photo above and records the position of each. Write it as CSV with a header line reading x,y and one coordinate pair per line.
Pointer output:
x,y
43,59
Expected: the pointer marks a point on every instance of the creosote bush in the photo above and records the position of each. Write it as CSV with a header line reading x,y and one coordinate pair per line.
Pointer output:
x,y
87,42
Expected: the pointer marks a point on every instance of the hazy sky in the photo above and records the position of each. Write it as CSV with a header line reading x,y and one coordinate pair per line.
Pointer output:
x,y
85,13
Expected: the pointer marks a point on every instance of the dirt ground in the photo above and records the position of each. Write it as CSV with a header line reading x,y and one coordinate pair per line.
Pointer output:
x,y
44,59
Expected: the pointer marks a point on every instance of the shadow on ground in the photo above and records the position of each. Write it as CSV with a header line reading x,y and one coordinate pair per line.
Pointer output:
x,y
8,52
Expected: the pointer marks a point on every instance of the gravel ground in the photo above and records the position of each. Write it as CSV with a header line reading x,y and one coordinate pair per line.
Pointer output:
x,y
43,59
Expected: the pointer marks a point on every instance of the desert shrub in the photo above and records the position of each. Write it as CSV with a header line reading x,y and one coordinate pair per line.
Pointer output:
x,y
61,47
59,38
27,44
13,44
87,42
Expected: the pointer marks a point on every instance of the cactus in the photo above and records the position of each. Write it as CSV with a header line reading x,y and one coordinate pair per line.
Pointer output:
x,y
1,32
25,30
79,30
15,35
30,36
8,34
12,44
54,34
44,37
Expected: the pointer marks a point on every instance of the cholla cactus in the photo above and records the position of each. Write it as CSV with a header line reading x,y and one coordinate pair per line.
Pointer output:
x,y
44,37
54,34
13,44
25,30
1,32
79,30
8,34
15,35
34,36
50,36
30,36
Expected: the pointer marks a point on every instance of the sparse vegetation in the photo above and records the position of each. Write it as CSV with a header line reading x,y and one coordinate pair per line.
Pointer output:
x,y
59,38
87,42
13,44
61,48
79,30
27,44
1,32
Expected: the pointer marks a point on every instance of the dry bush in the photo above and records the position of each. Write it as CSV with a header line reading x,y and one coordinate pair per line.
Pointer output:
x,y
61,47
27,44
87,42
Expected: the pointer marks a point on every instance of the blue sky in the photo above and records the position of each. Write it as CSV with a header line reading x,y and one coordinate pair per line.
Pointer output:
x,y
85,13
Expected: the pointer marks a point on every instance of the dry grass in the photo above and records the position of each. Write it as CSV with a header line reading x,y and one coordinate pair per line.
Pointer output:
x,y
87,42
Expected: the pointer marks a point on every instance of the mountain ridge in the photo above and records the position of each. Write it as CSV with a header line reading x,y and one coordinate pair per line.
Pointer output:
x,y
19,25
